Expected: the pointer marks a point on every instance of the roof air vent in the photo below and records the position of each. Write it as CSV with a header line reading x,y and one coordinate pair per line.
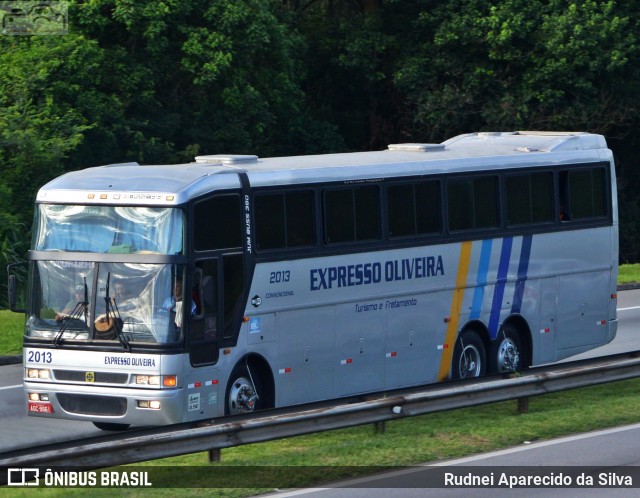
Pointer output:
x,y
528,149
120,164
416,147
226,159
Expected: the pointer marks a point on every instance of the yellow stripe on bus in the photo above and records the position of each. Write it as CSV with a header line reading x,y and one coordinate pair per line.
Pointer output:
x,y
454,314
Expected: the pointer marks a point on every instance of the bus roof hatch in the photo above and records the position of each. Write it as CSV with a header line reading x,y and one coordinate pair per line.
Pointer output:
x,y
226,159
416,147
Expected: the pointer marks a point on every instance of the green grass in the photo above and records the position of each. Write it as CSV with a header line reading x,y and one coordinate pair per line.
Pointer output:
x,y
11,328
628,274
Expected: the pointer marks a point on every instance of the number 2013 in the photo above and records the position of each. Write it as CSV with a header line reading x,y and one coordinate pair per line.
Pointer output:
x,y
39,356
279,276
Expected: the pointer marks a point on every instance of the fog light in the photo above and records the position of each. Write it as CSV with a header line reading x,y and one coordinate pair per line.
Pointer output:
x,y
154,405
38,397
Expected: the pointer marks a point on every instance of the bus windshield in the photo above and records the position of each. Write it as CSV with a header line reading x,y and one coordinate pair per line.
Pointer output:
x,y
108,229
85,301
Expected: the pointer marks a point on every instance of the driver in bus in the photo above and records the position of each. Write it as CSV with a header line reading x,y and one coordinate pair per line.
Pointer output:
x,y
122,298
72,304
173,303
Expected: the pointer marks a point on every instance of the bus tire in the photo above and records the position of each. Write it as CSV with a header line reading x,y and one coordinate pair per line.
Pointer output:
x,y
469,356
242,396
109,426
508,352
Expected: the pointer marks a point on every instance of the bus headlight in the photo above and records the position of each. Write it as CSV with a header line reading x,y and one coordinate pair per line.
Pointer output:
x,y
38,373
148,380
157,380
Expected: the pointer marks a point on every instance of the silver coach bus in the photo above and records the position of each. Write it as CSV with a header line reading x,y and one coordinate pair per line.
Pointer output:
x,y
164,294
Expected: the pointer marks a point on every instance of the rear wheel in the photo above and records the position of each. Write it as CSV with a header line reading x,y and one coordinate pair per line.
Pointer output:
x,y
469,356
108,426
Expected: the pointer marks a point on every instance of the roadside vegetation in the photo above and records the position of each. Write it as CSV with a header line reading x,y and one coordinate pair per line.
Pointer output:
x,y
11,327
629,274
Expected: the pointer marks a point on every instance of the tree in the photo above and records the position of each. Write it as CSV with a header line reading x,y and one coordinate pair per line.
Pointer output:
x,y
352,47
225,75
515,64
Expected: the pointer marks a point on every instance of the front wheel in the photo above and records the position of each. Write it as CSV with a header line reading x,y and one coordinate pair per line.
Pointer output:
x,y
469,356
242,395
508,354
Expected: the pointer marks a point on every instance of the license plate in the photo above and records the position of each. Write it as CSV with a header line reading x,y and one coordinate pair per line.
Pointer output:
x,y
40,407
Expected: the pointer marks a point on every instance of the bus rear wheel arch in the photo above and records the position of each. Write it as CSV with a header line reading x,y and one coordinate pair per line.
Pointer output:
x,y
469,356
250,387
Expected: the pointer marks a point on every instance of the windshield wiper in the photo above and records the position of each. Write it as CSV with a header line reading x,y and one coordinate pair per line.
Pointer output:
x,y
77,313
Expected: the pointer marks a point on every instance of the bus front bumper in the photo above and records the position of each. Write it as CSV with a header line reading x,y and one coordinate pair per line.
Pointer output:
x,y
108,405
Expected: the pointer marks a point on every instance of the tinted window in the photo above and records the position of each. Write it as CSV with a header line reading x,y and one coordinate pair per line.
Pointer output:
x,y
402,210
473,203
529,198
284,220
218,223
414,209
587,193
351,214
582,194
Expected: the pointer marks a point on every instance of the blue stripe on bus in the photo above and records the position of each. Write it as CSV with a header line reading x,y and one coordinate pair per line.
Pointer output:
x,y
498,295
523,269
483,270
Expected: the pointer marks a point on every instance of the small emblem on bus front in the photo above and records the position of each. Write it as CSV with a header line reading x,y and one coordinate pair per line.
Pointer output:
x,y
89,377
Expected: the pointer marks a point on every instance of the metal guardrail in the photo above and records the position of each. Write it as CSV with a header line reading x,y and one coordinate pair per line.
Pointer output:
x,y
406,403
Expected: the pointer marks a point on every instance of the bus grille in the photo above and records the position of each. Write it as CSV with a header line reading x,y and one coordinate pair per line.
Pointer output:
x,y
92,405
99,377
